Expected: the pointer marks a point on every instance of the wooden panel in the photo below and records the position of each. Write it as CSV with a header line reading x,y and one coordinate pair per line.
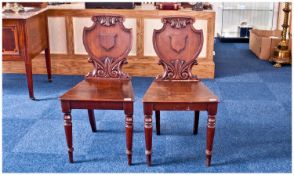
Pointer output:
x,y
19,26
140,37
144,66
138,63
10,40
69,35
130,13
36,34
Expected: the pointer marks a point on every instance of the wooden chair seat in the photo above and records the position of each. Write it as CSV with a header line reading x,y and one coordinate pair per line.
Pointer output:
x,y
97,90
179,92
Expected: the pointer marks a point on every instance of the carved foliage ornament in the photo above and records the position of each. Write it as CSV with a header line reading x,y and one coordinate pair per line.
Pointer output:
x,y
177,70
107,20
107,68
178,22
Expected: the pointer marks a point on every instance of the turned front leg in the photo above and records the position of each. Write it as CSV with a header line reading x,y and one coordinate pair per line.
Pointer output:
x,y
128,108
148,131
68,134
210,132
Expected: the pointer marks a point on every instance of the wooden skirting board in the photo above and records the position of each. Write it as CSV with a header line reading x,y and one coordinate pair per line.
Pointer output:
x,y
78,65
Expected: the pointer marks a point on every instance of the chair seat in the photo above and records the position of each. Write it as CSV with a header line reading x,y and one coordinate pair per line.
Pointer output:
x,y
179,92
117,90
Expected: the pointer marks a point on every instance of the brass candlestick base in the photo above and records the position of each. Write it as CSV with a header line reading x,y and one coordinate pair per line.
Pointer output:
x,y
282,54
281,57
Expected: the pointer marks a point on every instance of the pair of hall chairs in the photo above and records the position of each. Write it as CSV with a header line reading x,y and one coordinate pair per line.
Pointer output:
x,y
108,43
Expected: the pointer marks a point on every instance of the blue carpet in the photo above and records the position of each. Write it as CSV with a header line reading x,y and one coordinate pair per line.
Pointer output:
x,y
253,129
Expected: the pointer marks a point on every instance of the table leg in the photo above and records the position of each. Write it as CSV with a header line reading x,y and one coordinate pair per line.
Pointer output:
x,y
148,131
48,63
196,122
92,120
29,75
212,109
128,108
157,117
68,134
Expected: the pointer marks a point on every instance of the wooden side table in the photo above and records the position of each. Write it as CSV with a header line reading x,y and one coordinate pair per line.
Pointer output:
x,y
25,35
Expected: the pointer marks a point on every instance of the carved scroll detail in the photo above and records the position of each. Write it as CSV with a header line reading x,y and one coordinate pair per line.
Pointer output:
x,y
177,70
107,68
107,20
178,22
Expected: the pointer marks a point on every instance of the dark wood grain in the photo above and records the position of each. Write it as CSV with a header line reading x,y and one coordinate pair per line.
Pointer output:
x,y
178,44
196,122
108,43
157,117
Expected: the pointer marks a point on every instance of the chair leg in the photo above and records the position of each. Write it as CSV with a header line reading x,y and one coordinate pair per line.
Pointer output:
x,y
157,116
148,131
196,122
210,132
92,119
68,134
129,130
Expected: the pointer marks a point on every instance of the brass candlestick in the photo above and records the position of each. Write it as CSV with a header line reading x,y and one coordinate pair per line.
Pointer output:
x,y
282,53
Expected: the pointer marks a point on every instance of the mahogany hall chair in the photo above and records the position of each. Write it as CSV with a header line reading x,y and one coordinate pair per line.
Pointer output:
x,y
108,44
178,45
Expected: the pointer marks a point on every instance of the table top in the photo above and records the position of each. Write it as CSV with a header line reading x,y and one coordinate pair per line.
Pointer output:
x,y
179,91
94,89
28,13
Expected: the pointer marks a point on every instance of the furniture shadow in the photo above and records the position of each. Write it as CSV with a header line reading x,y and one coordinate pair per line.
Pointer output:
x,y
46,99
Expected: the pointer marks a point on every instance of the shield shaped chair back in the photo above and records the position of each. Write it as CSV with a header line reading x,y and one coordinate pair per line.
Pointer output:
x,y
108,44
177,45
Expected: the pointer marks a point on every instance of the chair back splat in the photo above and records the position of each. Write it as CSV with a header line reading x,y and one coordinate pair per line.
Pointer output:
x,y
108,44
178,45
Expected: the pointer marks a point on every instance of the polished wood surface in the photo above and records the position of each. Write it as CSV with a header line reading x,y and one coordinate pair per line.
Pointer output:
x,y
108,44
101,90
178,45
69,35
178,91
10,40
177,88
139,64
23,39
79,66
